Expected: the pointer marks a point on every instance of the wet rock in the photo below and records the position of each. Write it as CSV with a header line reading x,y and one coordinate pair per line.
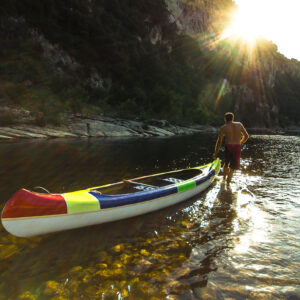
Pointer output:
x,y
135,126
124,293
31,132
186,224
204,128
52,288
155,131
159,257
5,137
15,133
102,266
125,258
96,128
183,272
103,273
76,269
117,265
118,248
27,296
145,252
141,267
72,285
86,278
45,131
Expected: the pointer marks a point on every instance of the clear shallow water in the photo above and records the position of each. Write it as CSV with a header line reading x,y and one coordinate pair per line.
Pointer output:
x,y
235,243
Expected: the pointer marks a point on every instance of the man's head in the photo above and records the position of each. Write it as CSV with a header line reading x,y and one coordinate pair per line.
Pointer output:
x,y
228,117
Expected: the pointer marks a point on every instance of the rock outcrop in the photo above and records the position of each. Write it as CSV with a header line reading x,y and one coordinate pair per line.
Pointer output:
x,y
193,17
82,127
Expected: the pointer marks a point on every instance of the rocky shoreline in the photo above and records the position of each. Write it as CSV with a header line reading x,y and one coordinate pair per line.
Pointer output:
x,y
80,127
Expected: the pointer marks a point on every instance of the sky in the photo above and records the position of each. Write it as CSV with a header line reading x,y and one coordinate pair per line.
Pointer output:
x,y
276,20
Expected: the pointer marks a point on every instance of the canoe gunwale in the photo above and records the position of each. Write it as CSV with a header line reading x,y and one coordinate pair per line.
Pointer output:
x,y
149,176
171,185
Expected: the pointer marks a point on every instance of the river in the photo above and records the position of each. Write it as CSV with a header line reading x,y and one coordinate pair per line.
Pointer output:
x,y
237,243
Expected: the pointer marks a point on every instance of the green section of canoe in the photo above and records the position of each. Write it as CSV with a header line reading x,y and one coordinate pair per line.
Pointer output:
x,y
216,164
186,186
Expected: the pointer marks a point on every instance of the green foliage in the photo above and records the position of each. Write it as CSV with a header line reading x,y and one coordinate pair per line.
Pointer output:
x,y
287,93
6,118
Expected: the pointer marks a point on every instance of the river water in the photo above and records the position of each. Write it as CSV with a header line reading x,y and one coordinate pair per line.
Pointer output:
x,y
226,243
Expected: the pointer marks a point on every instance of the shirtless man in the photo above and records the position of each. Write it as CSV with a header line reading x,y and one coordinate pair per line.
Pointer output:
x,y
232,131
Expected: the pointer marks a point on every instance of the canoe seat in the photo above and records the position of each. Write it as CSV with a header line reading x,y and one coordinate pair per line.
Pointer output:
x,y
173,180
144,188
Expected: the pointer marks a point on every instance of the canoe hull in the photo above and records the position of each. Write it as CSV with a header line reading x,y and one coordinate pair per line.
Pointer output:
x,y
37,225
26,227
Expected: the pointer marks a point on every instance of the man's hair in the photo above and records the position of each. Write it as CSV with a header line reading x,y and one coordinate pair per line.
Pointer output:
x,y
229,116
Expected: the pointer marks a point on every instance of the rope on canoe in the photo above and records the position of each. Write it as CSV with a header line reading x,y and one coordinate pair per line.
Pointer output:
x,y
42,188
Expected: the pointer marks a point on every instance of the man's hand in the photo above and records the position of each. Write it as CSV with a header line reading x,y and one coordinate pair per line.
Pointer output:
x,y
218,144
244,134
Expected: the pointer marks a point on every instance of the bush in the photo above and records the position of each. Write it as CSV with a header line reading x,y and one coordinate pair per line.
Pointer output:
x,y
7,118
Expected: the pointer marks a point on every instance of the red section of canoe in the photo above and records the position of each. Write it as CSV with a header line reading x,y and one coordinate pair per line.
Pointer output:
x,y
28,204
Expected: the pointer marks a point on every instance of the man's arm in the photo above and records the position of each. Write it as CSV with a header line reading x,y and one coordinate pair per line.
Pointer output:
x,y
245,135
218,144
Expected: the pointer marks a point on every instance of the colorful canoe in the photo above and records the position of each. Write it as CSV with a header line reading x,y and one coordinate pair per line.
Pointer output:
x,y
28,213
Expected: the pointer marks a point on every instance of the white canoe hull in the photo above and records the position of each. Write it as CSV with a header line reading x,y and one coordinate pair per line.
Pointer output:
x,y
32,226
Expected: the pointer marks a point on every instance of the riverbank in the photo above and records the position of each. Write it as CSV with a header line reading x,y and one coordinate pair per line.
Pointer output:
x,y
80,127
100,126
23,125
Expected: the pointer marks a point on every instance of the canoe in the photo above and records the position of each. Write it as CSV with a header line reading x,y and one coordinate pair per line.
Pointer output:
x,y
29,213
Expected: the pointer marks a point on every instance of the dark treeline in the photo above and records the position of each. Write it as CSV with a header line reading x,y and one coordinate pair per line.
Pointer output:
x,y
117,70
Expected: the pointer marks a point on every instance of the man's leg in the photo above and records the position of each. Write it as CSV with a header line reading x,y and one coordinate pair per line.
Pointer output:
x,y
230,174
225,171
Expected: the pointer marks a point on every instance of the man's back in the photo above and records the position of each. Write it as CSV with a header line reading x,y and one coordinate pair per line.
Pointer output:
x,y
232,132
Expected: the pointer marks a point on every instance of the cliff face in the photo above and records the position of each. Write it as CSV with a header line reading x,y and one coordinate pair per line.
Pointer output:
x,y
256,98
190,18
147,59
199,16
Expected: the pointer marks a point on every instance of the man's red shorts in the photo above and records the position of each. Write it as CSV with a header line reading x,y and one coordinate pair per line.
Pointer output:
x,y
233,155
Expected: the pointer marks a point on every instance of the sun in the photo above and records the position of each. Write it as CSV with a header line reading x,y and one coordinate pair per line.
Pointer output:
x,y
275,20
245,24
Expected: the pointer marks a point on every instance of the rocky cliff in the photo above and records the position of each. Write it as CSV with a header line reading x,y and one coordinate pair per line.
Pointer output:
x,y
160,59
256,100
